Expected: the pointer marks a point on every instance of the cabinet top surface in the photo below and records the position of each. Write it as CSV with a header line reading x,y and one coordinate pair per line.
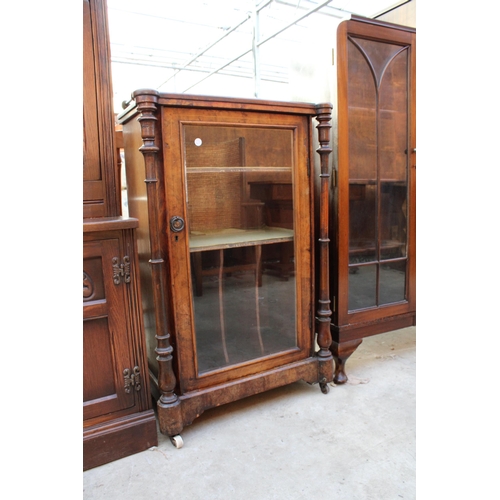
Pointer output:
x,y
377,22
217,102
109,224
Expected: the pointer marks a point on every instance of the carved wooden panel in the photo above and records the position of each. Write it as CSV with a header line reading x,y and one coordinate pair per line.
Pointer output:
x,y
106,351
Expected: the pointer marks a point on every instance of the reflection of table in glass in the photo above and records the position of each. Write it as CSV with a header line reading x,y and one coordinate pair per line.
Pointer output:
x,y
278,200
233,238
278,211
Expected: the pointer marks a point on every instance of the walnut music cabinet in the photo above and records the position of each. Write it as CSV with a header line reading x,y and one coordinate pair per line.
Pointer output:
x,y
223,191
118,415
372,217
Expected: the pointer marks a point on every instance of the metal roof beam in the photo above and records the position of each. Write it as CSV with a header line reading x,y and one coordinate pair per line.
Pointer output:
x,y
215,42
330,11
295,21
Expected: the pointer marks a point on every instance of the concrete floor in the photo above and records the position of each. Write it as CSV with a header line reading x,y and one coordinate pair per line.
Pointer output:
x,y
357,442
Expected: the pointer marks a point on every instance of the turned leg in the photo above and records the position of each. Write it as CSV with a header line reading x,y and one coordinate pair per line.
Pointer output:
x,y
168,405
341,353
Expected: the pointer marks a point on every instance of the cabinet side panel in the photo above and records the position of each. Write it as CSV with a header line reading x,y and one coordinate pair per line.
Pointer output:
x,y
138,208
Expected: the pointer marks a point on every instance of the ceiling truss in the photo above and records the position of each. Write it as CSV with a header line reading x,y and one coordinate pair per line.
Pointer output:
x,y
212,59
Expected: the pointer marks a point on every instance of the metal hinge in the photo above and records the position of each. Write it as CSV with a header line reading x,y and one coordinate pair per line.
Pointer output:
x,y
308,167
334,178
121,270
132,379
334,303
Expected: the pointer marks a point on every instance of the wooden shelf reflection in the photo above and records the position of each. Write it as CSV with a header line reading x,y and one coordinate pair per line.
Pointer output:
x,y
233,238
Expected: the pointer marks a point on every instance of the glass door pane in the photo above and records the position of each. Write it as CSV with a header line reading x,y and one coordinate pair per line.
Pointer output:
x,y
378,172
239,192
393,176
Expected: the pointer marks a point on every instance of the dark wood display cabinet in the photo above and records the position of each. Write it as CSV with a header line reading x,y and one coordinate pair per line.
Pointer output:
x,y
372,220
223,191
118,414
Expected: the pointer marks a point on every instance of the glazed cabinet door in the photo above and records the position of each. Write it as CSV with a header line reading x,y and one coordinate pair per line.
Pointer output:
x,y
109,373
239,241
376,173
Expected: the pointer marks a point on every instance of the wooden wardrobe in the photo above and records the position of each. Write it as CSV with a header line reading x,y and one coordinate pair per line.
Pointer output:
x,y
118,418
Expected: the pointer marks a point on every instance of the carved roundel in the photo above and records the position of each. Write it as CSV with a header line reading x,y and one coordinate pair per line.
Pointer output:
x,y
88,287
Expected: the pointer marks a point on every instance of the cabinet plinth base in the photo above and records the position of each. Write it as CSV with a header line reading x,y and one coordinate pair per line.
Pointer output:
x,y
109,441
173,419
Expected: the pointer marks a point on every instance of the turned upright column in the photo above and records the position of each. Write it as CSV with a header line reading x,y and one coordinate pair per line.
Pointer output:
x,y
169,409
324,312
